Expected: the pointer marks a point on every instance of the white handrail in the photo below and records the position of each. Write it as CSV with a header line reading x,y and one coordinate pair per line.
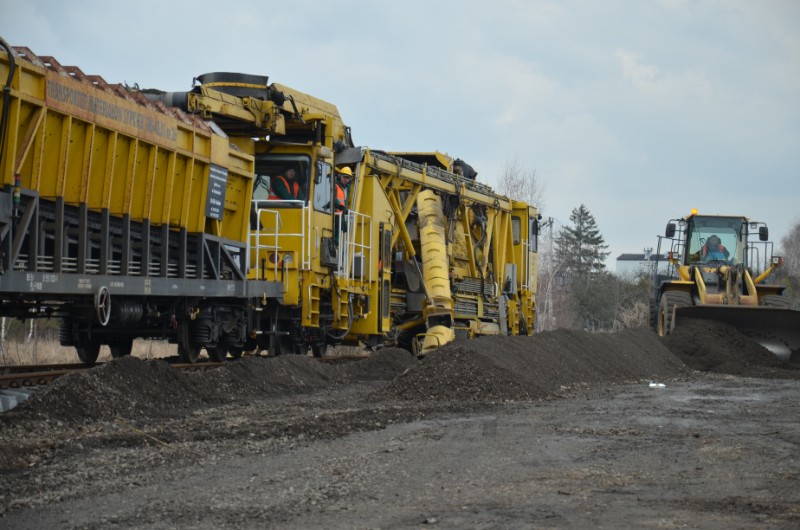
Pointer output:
x,y
274,230
349,246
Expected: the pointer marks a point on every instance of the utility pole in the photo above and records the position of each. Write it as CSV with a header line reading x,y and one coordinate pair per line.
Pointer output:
x,y
549,318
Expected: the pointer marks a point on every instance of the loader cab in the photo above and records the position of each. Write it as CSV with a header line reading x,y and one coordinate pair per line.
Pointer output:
x,y
714,240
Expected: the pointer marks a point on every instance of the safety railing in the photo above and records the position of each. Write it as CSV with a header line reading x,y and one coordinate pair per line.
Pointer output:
x,y
355,249
271,238
759,255
441,174
262,238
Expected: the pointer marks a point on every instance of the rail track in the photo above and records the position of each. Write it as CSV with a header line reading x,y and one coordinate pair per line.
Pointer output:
x,y
19,382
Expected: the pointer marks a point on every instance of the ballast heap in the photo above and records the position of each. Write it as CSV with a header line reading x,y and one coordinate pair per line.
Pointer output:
x,y
137,213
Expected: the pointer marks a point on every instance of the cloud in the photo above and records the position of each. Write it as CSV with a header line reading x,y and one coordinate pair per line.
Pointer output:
x,y
642,75
660,84
619,104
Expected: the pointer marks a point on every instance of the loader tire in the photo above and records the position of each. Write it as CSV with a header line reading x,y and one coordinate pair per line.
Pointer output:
x,y
666,310
776,300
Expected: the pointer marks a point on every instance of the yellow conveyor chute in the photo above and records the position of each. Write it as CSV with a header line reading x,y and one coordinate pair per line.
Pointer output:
x,y
435,271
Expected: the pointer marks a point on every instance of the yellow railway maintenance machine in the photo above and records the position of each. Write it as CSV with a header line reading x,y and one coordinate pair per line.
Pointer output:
x,y
128,213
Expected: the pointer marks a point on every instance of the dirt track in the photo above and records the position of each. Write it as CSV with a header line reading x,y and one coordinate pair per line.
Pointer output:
x,y
559,430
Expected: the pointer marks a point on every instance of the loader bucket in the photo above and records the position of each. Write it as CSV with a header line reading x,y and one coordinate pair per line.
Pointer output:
x,y
776,329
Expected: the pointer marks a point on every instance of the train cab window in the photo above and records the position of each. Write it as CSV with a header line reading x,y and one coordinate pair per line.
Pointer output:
x,y
533,246
323,187
516,226
270,168
261,188
260,197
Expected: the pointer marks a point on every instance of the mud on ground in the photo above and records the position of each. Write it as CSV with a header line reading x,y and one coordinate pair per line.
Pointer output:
x,y
563,417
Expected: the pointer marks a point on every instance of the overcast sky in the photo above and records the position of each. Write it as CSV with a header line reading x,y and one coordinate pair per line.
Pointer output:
x,y
640,109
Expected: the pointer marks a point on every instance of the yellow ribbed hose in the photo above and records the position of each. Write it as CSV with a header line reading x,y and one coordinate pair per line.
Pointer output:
x,y
435,271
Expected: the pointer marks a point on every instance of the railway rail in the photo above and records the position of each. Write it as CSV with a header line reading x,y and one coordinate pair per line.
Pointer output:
x,y
32,375
19,382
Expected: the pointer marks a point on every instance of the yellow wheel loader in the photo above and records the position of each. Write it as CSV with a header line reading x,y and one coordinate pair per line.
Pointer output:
x,y
716,266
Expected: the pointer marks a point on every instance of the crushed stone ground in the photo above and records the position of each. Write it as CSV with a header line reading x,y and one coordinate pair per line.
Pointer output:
x,y
131,422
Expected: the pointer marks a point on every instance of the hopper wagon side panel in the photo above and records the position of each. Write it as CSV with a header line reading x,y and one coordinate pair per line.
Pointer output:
x,y
104,189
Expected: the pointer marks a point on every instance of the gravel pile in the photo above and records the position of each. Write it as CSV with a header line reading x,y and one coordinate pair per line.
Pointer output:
x,y
253,377
541,366
131,388
128,388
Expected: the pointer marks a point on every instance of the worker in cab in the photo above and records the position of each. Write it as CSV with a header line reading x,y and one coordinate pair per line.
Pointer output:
x,y
344,177
713,250
286,187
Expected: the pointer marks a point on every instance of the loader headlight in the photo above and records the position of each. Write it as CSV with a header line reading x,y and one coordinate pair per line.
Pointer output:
x,y
777,260
287,258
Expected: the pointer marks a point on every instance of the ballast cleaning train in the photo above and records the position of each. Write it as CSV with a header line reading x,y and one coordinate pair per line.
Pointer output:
x,y
129,213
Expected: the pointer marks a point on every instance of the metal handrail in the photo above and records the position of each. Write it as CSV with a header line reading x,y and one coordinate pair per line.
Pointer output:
x,y
349,245
259,234
274,230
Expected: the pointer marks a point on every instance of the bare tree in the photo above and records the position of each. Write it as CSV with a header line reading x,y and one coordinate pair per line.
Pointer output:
x,y
789,274
550,306
521,184
790,246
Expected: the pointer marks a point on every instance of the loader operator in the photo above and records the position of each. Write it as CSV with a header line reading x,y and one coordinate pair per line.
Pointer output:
x,y
286,187
714,251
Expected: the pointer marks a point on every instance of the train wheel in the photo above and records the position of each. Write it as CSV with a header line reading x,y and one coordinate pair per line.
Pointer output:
x,y
102,305
290,347
218,353
189,354
120,347
236,351
274,346
319,349
188,348
274,338
88,350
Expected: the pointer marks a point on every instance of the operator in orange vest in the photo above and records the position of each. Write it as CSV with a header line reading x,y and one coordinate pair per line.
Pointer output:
x,y
285,187
343,178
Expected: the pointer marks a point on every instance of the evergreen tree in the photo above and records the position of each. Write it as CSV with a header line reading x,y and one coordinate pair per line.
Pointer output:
x,y
581,250
580,254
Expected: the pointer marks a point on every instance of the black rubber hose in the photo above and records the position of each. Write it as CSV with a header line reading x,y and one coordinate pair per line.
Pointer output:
x,y
12,65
